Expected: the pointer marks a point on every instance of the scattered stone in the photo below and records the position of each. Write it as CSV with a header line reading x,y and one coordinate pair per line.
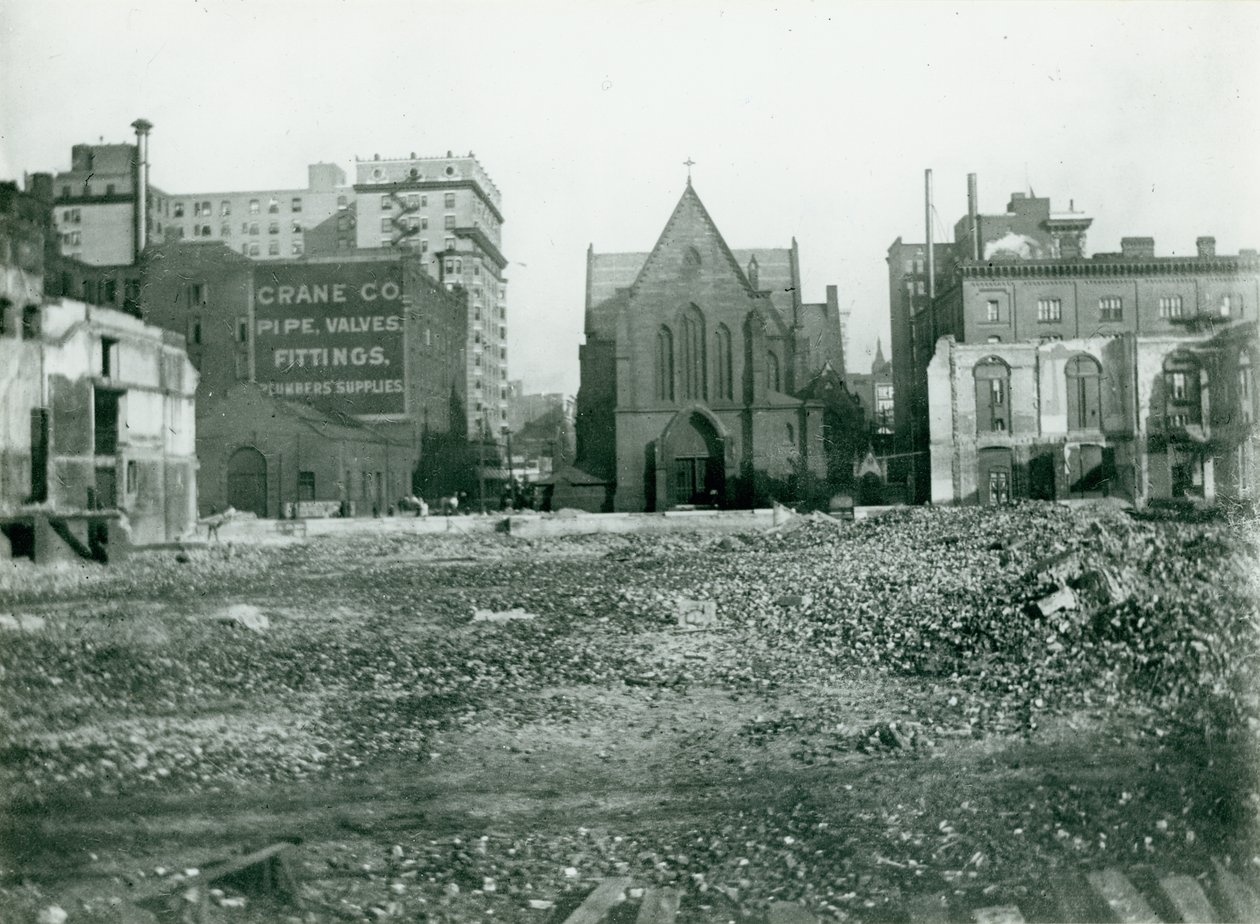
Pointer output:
x,y
53,914
696,614
245,616
503,616
792,601
1061,599
22,622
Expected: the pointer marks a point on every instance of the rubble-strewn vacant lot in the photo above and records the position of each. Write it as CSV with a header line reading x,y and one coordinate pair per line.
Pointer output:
x,y
882,712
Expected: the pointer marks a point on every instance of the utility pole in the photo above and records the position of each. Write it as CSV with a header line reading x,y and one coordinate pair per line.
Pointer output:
x,y
481,465
511,474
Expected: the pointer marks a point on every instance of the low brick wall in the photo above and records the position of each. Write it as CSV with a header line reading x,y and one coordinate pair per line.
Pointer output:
x,y
525,526
539,527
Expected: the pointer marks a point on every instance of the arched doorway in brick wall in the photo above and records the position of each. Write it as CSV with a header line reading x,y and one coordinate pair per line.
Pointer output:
x,y
695,460
247,481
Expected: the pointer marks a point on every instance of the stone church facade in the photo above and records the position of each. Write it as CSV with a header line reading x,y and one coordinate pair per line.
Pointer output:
x,y
705,380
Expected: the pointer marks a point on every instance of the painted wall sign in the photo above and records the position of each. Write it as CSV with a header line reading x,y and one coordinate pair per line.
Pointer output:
x,y
331,334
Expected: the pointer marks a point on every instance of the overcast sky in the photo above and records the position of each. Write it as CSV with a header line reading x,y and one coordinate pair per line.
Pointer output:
x,y
807,119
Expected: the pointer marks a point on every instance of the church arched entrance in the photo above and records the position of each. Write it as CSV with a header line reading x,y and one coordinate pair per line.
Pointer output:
x,y
871,490
247,481
695,460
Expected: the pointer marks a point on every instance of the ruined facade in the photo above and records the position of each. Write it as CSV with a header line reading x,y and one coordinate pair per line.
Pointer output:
x,y
1137,417
98,432
96,411
693,374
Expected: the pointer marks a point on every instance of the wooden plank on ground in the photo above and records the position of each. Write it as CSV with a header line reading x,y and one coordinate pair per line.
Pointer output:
x,y
1188,899
788,913
263,872
1240,901
1124,900
998,914
660,906
1072,896
928,909
606,894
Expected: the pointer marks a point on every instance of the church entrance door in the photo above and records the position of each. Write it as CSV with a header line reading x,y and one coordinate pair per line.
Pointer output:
x,y
697,467
697,480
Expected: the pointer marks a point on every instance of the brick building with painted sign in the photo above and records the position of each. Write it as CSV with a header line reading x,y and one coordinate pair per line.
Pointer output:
x,y
369,340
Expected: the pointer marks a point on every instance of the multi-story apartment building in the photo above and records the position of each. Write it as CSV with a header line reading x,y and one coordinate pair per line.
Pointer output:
x,y
1019,288
98,201
267,224
448,210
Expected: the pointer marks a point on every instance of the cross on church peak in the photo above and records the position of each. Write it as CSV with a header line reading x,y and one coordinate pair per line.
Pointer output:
x,y
689,163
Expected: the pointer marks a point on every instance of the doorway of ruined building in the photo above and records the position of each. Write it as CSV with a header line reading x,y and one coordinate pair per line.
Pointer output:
x,y
1091,470
994,481
247,481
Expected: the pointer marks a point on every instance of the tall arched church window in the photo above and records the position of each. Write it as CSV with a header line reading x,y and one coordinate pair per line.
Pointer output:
x,y
664,364
1084,402
725,389
692,355
773,382
993,399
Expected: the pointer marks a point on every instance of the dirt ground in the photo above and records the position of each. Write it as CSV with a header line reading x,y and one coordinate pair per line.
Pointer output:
x,y
431,767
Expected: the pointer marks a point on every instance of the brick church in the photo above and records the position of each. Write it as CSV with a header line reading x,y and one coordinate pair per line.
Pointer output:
x,y
705,380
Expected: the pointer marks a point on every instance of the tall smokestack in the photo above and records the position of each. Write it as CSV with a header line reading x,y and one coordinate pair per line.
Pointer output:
x,y
142,127
973,214
927,220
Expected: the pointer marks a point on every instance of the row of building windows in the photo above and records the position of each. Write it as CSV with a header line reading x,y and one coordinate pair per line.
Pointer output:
x,y
413,201
1111,308
691,376
1084,394
110,189
203,208
247,227
254,249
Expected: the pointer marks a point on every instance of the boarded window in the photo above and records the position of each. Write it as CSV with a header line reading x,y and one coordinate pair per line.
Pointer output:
x,y
105,421
1083,393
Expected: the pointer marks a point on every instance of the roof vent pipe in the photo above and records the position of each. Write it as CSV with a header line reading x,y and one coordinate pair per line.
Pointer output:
x,y
141,230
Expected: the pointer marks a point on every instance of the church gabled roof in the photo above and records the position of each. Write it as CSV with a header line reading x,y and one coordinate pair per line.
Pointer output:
x,y
691,200
879,364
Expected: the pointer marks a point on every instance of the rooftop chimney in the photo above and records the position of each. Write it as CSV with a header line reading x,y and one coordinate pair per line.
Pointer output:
x,y
973,214
1137,246
142,127
1206,246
